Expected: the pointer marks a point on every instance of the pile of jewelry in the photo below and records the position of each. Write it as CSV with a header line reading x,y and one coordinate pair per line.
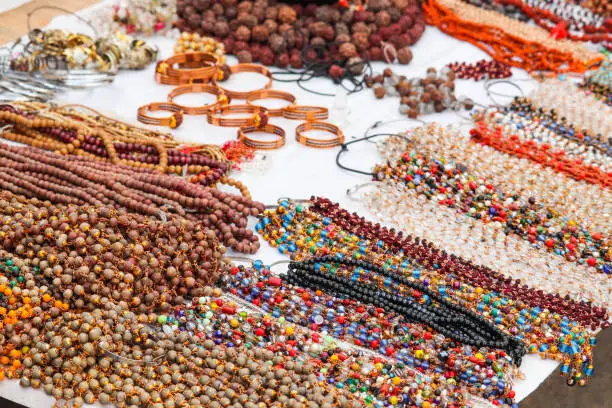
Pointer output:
x,y
489,244
508,40
54,60
284,34
419,96
480,70
193,42
599,82
80,180
325,229
563,19
78,130
201,72
146,17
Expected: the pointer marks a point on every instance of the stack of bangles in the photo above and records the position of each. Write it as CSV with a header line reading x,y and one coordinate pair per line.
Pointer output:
x,y
173,121
222,98
193,67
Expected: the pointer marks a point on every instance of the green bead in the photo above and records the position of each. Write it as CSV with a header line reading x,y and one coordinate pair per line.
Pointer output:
x,y
20,279
486,298
162,319
299,208
9,262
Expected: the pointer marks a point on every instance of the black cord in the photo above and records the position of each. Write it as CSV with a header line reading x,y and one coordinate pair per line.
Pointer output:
x,y
344,148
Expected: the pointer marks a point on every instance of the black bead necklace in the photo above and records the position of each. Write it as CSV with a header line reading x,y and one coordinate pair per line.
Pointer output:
x,y
449,319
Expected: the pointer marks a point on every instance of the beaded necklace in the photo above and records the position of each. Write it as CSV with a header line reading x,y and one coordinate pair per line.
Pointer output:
x,y
454,187
587,203
227,320
389,334
302,233
81,180
544,133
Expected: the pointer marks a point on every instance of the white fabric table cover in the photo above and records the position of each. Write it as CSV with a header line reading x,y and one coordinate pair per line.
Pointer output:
x,y
297,171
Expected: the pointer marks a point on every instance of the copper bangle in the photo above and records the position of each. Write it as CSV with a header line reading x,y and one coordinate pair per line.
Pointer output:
x,y
319,143
235,69
190,65
222,99
307,113
271,94
172,121
258,116
262,144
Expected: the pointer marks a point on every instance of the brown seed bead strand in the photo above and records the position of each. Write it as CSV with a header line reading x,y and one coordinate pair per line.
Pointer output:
x,y
101,254
132,146
92,182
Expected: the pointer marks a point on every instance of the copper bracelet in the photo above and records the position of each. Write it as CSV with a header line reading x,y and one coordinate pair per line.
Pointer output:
x,y
222,99
307,113
319,143
196,67
235,69
190,65
271,94
262,144
258,116
173,121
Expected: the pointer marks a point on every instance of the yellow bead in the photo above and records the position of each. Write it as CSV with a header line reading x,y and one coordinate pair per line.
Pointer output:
x,y
378,366
334,358
393,400
396,380
289,331
419,354
478,356
234,323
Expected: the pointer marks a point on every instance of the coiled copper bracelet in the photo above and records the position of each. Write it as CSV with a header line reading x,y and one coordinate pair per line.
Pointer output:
x,y
262,144
258,116
337,140
271,94
222,99
173,121
238,68
307,113
194,67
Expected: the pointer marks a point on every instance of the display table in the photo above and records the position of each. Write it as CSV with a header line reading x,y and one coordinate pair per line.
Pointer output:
x,y
296,171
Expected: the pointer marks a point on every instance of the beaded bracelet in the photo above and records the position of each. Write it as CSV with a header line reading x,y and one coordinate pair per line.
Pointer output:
x,y
304,112
271,94
259,116
173,121
222,99
238,68
279,142
337,140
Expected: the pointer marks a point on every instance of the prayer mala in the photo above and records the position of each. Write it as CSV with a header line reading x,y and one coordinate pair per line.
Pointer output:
x,y
78,180
293,35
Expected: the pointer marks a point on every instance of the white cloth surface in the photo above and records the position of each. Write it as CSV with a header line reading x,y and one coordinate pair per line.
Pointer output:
x,y
6,5
297,171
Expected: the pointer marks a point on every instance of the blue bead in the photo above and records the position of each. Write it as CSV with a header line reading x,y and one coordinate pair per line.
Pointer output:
x,y
258,264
